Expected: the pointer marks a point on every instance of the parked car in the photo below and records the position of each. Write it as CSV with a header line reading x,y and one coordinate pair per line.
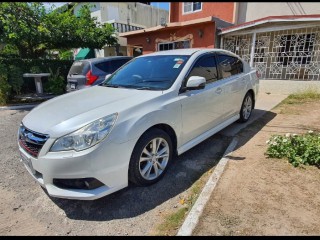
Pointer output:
x,y
130,127
90,72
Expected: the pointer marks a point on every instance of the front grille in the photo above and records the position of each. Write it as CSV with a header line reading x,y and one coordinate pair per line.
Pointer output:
x,y
31,141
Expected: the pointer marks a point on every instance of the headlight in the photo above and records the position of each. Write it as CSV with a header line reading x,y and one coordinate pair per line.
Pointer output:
x,y
87,136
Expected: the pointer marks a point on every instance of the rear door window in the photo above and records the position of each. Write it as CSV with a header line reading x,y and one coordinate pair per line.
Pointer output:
x,y
79,68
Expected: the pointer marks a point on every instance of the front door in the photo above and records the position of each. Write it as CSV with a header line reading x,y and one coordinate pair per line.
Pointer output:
x,y
201,109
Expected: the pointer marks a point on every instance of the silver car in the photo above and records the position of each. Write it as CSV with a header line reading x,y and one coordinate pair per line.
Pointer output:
x,y
90,143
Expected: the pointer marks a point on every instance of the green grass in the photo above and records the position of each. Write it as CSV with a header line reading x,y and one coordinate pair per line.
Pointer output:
x,y
309,94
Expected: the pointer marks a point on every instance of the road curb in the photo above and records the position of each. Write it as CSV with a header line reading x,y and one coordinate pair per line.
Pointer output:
x,y
193,217
25,106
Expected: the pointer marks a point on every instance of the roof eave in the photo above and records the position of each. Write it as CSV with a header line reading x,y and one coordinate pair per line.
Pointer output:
x,y
256,23
168,26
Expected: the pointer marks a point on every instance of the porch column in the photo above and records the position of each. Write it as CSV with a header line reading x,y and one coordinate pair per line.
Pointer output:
x,y
221,42
253,44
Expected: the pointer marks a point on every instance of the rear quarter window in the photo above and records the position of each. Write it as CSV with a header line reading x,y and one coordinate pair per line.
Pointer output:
x,y
79,68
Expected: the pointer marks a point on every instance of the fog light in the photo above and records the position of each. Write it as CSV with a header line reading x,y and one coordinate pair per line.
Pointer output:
x,y
79,183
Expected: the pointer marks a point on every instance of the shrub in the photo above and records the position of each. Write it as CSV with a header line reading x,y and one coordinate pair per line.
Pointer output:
x,y
55,83
35,69
37,66
298,149
15,78
5,88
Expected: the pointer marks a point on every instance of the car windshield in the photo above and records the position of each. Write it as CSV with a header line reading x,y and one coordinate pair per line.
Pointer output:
x,y
148,73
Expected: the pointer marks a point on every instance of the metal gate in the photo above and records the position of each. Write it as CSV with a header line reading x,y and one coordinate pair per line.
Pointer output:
x,y
287,54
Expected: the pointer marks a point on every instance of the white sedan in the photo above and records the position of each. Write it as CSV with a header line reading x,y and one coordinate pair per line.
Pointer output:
x,y
91,143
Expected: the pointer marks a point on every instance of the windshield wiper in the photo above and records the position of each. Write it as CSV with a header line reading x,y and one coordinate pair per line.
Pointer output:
x,y
144,88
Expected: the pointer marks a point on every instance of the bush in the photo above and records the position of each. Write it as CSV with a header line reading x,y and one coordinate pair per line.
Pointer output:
x,y
34,66
55,83
298,149
15,78
5,88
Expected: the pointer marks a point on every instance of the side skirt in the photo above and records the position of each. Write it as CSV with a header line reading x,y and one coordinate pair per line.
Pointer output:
x,y
207,134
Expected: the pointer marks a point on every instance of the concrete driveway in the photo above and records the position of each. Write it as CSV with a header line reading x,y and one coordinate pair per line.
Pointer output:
x,y
271,93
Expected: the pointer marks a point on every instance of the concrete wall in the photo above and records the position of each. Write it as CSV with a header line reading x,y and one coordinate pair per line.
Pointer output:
x,y
95,9
133,13
222,10
249,11
137,13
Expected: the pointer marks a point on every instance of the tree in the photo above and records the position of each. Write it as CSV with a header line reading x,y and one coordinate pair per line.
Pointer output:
x,y
33,30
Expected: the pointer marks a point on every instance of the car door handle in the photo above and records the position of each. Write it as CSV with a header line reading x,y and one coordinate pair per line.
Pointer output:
x,y
219,90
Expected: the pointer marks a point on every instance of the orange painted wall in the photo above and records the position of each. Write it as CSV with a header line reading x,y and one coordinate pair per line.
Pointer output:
x,y
222,10
207,41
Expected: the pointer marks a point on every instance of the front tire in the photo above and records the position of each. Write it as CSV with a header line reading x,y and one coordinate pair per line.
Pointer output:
x,y
246,108
150,158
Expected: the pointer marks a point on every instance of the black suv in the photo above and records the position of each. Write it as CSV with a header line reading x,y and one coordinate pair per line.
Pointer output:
x,y
89,72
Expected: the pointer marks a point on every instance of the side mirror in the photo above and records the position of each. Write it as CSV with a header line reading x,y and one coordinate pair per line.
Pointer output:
x,y
195,83
107,76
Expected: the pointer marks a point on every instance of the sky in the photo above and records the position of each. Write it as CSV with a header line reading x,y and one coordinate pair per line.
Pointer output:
x,y
163,5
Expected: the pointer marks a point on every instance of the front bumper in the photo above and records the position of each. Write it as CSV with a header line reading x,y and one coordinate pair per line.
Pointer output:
x,y
107,162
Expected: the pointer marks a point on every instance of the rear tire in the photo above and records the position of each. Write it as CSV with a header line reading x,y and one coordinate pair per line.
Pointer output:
x,y
246,108
150,158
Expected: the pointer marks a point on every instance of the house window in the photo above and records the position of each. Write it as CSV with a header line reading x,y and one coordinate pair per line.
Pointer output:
x,y
296,48
190,7
174,45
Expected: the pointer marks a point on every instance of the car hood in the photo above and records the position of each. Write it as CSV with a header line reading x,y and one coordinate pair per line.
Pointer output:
x,y
69,112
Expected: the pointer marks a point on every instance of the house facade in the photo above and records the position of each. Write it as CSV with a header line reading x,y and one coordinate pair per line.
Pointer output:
x,y
280,39
124,17
191,25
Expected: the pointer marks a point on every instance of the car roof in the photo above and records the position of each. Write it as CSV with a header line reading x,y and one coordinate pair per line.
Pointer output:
x,y
188,51
102,59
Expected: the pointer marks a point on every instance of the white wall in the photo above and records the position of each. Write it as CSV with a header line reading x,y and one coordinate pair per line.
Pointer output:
x,y
249,11
137,13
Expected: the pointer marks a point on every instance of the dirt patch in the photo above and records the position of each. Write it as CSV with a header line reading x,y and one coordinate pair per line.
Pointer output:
x,y
261,196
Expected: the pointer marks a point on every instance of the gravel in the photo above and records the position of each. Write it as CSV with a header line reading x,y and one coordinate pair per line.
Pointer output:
x,y
26,209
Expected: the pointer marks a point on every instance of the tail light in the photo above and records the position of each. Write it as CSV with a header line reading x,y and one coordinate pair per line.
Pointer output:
x,y
90,78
